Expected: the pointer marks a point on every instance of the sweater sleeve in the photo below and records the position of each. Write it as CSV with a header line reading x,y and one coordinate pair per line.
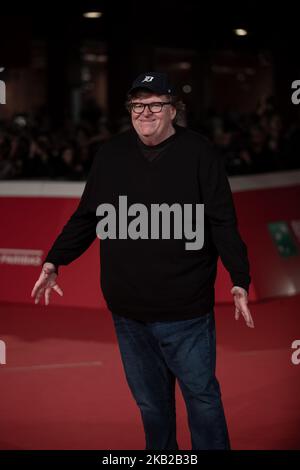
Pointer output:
x,y
80,230
220,213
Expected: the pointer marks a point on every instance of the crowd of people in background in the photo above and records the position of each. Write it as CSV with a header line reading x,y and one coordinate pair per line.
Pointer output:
x,y
249,143
256,142
31,150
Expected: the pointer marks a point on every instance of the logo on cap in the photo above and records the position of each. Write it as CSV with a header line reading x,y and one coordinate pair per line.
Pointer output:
x,y
148,78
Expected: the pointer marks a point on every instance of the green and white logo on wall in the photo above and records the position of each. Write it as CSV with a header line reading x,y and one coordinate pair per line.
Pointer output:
x,y
283,238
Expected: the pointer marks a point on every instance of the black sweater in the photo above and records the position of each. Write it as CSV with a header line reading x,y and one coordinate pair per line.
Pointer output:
x,y
158,279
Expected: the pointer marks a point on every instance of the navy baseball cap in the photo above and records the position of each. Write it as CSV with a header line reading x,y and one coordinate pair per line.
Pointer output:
x,y
154,81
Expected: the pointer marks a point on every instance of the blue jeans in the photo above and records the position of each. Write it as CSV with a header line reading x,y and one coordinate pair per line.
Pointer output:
x,y
154,355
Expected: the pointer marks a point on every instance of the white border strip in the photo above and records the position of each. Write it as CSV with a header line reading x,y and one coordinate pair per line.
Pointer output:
x,y
69,189
265,181
21,188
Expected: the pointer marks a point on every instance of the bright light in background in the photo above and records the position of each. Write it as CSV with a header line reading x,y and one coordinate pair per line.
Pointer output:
x,y
187,88
92,14
241,32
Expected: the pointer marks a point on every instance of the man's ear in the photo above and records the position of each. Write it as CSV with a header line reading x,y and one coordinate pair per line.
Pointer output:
x,y
173,112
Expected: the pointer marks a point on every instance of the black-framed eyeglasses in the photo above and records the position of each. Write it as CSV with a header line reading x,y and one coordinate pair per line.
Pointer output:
x,y
155,107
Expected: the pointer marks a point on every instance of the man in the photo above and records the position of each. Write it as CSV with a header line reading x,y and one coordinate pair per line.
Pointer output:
x,y
160,294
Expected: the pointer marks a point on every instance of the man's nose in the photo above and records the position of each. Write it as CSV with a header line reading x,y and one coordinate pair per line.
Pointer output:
x,y
147,111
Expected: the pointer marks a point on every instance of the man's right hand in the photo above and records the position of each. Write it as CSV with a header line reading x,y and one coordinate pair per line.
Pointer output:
x,y
45,283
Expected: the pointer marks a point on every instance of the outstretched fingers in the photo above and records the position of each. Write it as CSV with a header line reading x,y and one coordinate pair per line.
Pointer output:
x,y
248,318
48,292
58,289
47,295
35,288
38,295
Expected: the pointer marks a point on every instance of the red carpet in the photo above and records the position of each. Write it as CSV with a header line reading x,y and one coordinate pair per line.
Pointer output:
x,y
63,385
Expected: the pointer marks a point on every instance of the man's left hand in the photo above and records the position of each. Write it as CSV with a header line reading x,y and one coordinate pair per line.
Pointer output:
x,y
241,300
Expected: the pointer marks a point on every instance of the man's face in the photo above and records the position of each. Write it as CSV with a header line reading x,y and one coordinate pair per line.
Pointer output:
x,y
150,124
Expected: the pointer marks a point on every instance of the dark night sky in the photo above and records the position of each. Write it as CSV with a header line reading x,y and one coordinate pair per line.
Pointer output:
x,y
187,23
